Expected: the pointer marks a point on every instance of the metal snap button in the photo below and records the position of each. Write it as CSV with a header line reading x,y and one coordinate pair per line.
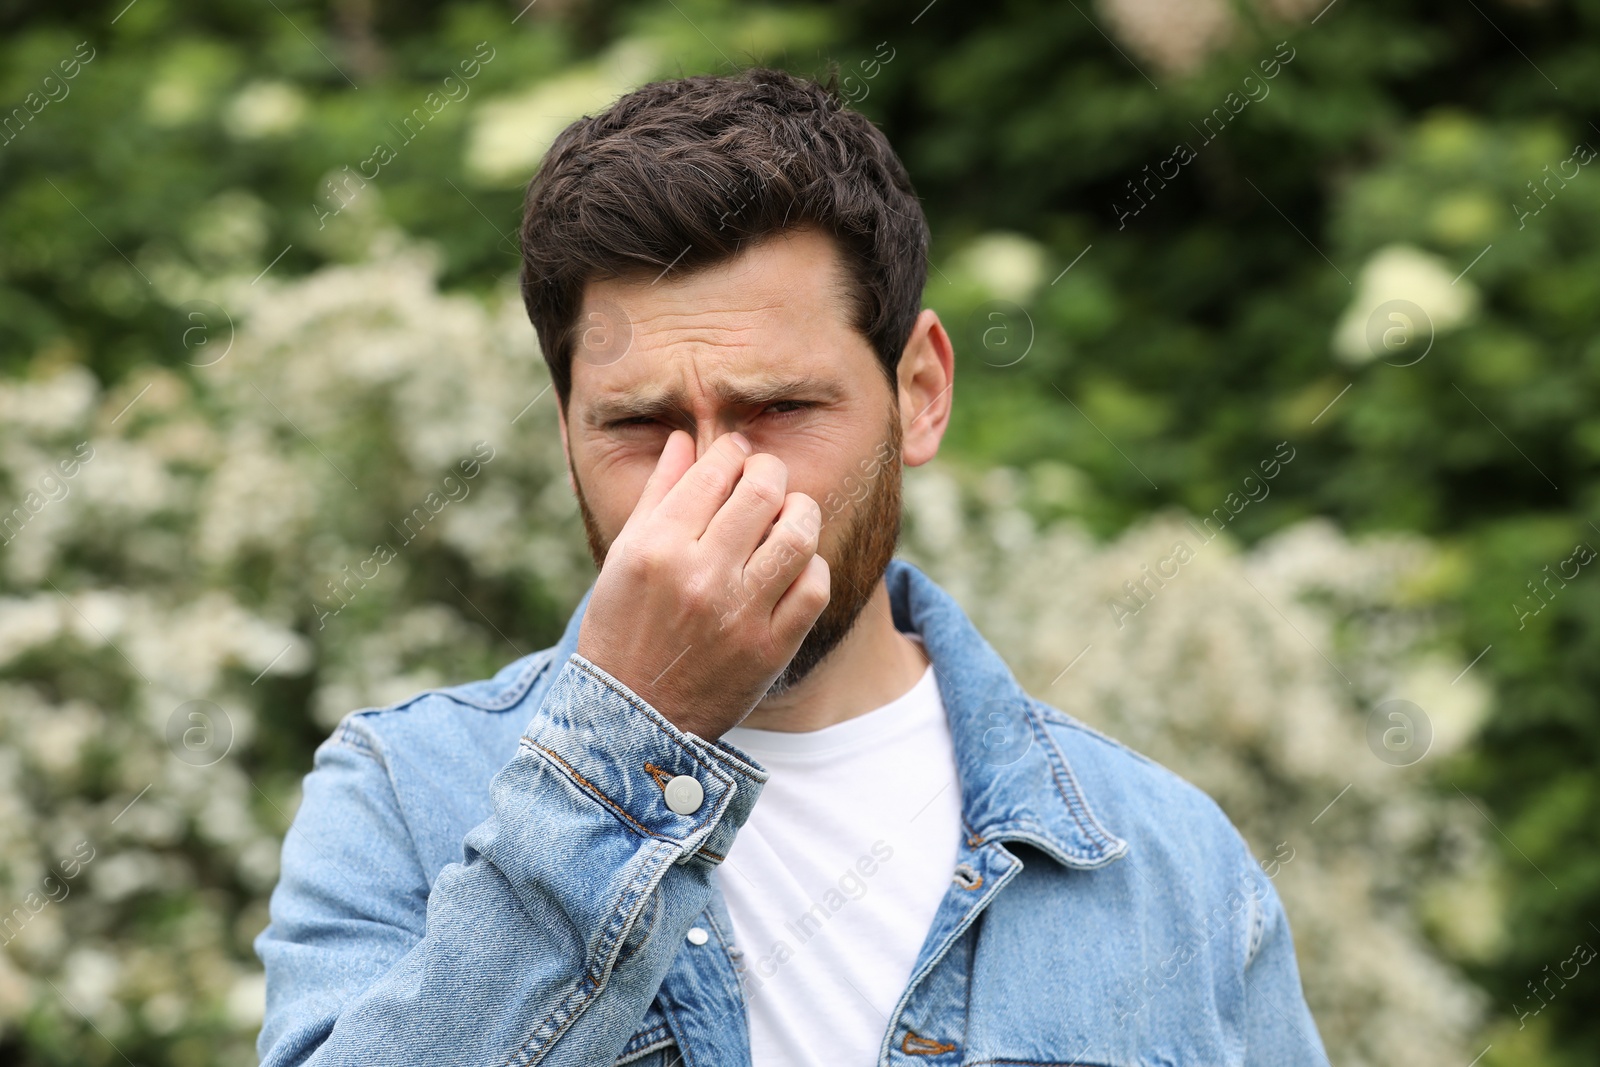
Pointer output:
x,y
684,794
698,936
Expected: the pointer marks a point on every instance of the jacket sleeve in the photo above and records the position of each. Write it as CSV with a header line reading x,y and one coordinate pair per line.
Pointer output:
x,y
546,942
1279,1030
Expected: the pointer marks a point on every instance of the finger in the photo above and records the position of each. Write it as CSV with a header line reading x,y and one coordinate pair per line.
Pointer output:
x,y
739,525
691,503
677,456
786,552
797,610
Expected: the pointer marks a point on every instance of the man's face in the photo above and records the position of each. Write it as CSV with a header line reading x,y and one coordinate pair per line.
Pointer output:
x,y
762,344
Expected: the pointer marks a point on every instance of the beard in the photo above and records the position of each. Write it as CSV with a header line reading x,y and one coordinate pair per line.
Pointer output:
x,y
857,559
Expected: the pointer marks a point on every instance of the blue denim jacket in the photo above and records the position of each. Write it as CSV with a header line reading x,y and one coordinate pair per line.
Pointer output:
x,y
489,875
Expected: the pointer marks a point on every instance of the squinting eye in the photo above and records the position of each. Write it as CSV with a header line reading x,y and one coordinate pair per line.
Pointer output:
x,y
785,407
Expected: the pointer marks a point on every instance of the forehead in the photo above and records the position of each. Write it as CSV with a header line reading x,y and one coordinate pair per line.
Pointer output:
x,y
779,309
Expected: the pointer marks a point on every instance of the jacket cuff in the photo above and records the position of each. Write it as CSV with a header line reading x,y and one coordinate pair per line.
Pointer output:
x,y
618,749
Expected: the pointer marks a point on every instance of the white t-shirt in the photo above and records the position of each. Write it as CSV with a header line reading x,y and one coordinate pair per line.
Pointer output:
x,y
833,880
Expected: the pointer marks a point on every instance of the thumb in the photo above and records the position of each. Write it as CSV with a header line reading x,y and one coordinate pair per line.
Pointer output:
x,y
677,456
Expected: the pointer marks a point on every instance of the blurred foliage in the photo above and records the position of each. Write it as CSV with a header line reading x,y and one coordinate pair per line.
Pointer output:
x,y
1393,153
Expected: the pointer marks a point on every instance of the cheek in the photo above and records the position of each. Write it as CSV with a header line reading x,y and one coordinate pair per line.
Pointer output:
x,y
842,456
840,490
613,479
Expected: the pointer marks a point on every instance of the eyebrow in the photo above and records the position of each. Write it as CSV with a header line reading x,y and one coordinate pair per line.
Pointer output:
x,y
638,404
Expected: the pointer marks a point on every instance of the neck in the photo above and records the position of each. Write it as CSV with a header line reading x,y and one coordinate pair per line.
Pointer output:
x,y
872,666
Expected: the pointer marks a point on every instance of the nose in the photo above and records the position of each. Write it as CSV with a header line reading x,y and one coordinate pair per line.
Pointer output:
x,y
708,429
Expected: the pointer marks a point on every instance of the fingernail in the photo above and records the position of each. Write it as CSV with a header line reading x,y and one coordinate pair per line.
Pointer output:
x,y
739,439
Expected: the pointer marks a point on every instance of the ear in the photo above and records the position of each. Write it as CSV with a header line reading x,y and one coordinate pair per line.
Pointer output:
x,y
926,381
566,446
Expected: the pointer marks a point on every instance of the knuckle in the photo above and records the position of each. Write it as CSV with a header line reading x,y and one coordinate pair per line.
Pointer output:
x,y
644,557
769,650
711,479
697,592
793,536
735,611
767,492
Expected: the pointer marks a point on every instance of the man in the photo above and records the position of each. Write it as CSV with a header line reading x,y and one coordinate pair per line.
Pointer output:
x,y
771,799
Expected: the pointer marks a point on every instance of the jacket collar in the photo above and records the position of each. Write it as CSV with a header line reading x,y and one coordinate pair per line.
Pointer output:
x,y
1016,784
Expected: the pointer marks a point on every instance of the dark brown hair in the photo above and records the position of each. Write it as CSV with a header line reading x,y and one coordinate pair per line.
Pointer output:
x,y
681,175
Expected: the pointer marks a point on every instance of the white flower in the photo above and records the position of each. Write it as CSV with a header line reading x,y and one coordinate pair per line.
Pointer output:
x,y
26,623
1176,35
264,109
1399,334
89,978
231,227
172,102
1008,265
50,405
247,1001
120,876
164,1012
511,134
56,739
1455,703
